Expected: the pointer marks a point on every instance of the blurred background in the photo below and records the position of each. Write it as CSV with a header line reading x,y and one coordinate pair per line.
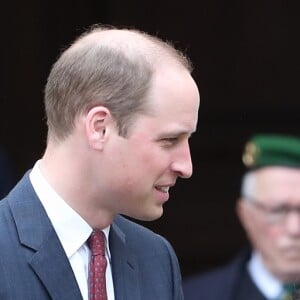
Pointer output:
x,y
245,56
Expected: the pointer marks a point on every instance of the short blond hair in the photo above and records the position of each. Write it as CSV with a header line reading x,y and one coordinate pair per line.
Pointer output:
x,y
105,66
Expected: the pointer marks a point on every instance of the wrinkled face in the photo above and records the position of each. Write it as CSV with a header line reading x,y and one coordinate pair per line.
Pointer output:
x,y
145,165
273,223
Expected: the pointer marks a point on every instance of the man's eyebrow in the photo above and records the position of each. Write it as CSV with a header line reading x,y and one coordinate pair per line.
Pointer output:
x,y
177,133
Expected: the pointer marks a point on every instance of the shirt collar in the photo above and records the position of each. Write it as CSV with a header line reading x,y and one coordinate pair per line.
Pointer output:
x,y
270,286
72,230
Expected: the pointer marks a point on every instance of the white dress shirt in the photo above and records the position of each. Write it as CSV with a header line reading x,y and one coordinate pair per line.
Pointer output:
x,y
72,231
269,286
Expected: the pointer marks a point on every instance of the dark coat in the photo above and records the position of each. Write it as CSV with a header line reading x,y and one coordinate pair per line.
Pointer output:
x,y
229,282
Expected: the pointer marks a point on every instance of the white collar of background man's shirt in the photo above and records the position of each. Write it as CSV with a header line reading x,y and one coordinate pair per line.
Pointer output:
x,y
72,230
270,286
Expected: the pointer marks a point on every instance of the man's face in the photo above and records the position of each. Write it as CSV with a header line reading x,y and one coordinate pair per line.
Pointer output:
x,y
274,228
146,164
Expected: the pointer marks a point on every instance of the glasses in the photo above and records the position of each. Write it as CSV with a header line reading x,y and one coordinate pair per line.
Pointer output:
x,y
274,214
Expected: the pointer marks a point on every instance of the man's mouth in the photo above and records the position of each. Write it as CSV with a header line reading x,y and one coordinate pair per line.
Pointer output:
x,y
164,189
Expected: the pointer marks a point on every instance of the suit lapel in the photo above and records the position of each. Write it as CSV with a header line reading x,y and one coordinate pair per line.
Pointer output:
x,y
53,268
48,259
246,289
124,267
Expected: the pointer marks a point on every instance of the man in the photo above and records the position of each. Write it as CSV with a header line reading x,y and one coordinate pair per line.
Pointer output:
x,y
121,106
269,210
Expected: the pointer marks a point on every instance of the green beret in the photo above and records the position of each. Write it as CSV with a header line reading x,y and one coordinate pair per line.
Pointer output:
x,y
272,150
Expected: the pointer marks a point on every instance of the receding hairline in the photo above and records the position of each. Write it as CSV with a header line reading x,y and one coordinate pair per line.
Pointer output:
x,y
133,43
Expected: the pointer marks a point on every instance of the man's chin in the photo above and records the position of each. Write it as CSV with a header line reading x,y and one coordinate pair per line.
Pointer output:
x,y
292,255
154,215
289,271
291,277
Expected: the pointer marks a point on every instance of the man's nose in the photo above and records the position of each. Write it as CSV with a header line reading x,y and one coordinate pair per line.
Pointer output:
x,y
293,222
182,163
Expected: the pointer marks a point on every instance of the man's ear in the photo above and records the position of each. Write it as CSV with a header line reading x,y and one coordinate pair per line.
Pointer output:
x,y
97,123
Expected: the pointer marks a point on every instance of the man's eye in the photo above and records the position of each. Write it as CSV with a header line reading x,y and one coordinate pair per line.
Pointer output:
x,y
280,209
170,141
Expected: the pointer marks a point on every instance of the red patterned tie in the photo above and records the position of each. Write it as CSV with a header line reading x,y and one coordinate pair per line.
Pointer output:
x,y
97,266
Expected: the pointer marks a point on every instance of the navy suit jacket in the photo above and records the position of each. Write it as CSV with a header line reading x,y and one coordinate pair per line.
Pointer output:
x,y
229,282
33,264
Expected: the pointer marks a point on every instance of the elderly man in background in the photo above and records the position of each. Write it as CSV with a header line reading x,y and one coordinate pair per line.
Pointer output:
x,y
269,210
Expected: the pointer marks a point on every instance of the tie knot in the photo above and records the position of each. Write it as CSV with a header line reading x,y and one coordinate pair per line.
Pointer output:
x,y
96,243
